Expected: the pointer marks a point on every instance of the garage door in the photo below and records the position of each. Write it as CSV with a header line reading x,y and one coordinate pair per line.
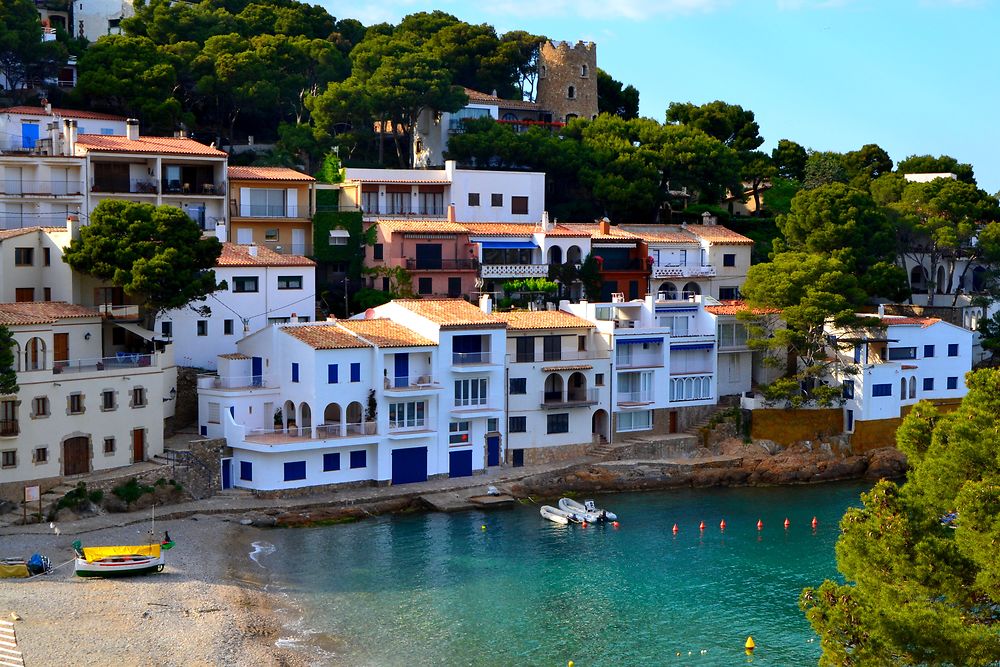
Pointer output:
x,y
460,464
409,465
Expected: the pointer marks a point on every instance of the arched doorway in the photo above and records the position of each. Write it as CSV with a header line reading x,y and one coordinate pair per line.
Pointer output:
x,y
555,255
599,425
577,387
331,420
917,283
354,423
691,289
76,455
288,415
34,355
573,255
553,392
668,290
940,286
305,418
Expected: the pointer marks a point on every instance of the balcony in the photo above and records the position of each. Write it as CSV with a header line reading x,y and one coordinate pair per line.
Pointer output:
x,y
389,211
611,265
294,435
639,361
118,312
441,264
411,384
175,187
514,270
561,355
635,397
571,399
236,382
138,186
691,387
120,362
474,359
683,271
269,211
27,188
9,428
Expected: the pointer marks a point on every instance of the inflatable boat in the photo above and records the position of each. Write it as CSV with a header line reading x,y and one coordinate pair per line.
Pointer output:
x,y
587,511
557,515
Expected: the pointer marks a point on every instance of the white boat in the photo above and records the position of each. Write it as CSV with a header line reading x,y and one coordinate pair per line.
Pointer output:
x,y
587,511
117,561
557,515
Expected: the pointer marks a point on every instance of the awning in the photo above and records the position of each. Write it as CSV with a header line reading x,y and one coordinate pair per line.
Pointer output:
x,y
137,330
339,234
508,245
693,346
636,341
685,309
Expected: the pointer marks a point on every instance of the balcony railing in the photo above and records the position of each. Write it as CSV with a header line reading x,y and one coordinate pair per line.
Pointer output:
x,y
473,358
9,428
405,211
304,249
411,383
514,270
440,264
119,362
639,361
570,398
284,436
561,355
693,387
26,188
403,425
621,264
117,312
270,211
131,185
174,187
635,397
683,271
235,381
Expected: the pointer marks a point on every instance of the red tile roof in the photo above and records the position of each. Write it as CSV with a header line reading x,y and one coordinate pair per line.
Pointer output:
x,y
661,233
13,233
239,255
734,307
65,113
42,312
103,143
894,320
325,337
452,313
501,228
542,319
422,226
267,174
386,333
717,235
593,230
482,98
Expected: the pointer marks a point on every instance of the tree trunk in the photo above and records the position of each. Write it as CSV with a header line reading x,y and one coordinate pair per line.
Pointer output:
x,y
381,142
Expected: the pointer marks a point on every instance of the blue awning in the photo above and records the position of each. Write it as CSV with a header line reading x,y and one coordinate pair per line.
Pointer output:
x,y
693,346
636,341
685,309
508,245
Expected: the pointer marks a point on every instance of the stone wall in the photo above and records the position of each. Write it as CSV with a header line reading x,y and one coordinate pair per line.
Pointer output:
x,y
542,455
186,407
876,433
563,65
786,427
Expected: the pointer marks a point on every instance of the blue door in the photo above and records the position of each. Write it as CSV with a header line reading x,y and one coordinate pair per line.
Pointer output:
x,y
493,450
227,474
29,135
402,370
460,464
409,465
257,370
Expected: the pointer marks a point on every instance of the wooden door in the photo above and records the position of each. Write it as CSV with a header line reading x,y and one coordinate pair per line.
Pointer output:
x,y
138,445
60,344
24,294
76,456
673,422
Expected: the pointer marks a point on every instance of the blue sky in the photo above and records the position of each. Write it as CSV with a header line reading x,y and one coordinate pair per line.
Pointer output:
x,y
914,76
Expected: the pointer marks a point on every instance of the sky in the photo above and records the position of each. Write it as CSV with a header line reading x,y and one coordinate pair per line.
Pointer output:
x,y
913,76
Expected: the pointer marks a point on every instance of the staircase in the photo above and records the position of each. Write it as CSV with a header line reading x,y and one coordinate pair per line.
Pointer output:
x,y
10,656
601,449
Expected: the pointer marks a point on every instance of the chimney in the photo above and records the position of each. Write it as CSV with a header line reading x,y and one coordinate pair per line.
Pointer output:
x,y
73,226
252,250
132,129
881,310
451,212
48,107
486,304
708,219
294,319
604,226
69,137
53,129
546,225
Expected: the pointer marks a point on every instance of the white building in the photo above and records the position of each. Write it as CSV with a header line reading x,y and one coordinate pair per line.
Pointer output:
x,y
558,386
740,368
23,128
84,403
96,18
887,368
263,288
31,266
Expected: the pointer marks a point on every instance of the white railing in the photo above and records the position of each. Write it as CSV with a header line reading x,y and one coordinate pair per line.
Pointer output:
x,y
279,435
635,396
48,188
683,271
472,358
514,270
562,355
411,382
639,361
234,381
122,312
121,361
401,425
691,387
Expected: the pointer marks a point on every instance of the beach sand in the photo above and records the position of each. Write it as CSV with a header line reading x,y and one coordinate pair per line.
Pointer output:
x,y
209,606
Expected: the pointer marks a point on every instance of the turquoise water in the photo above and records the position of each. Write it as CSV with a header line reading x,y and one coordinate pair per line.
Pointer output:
x,y
438,589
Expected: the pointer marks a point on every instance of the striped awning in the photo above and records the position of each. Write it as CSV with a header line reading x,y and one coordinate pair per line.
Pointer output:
x,y
693,346
636,341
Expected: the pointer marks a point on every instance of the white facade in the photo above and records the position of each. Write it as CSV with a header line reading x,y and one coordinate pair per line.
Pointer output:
x,y
433,129
31,266
83,404
23,128
96,18
263,288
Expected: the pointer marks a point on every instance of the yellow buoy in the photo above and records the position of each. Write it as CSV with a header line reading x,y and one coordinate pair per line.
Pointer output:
x,y
750,645
569,664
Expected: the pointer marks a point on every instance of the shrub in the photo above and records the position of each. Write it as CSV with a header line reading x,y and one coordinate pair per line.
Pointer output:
x,y
131,491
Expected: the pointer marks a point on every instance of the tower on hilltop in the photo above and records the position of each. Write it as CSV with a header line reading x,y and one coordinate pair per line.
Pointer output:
x,y
567,80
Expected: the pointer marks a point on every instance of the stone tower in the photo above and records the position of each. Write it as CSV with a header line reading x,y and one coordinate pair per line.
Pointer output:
x,y
567,80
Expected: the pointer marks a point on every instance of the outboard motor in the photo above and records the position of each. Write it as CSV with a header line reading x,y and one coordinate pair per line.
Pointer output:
x,y
590,505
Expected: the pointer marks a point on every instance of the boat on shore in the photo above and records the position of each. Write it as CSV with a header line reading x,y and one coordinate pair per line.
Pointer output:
x,y
121,560
557,515
587,511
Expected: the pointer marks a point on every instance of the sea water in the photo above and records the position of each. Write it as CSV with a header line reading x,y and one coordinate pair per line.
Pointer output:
x,y
507,587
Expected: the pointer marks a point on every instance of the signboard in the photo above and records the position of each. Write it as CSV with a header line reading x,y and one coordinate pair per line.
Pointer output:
x,y
31,494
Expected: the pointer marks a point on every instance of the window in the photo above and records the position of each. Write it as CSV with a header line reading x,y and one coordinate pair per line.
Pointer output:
x,y
407,415
551,348
24,256
378,252
246,471
295,471
517,425
75,404
425,286
583,71
518,385
24,294
952,383
359,459
214,413
473,199
952,349
928,384
639,420
202,326
331,462
458,433
525,349
385,284
167,329
8,458
470,392
857,354
571,92
295,371
332,371
848,388
581,343
492,424
881,390
227,327
41,454
599,379
46,257
339,237
289,282
729,293
109,445
557,423
899,353
496,199
729,259
264,203
40,406
928,351
271,234
519,205
138,397
108,399
356,372
244,284
46,294
732,334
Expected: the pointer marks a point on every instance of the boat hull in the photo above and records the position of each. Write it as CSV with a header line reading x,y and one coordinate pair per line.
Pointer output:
x,y
573,507
118,567
556,515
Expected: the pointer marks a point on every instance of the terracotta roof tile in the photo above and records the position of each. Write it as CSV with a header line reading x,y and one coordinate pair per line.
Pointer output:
x,y
325,337
894,320
386,333
267,174
715,234
422,226
452,313
501,228
13,233
734,307
661,233
562,230
594,231
519,320
117,143
233,355
483,98
64,113
239,255
41,312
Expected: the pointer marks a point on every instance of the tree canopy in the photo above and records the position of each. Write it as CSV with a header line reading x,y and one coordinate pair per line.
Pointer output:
x,y
155,253
921,589
944,164
731,124
24,57
615,98
8,374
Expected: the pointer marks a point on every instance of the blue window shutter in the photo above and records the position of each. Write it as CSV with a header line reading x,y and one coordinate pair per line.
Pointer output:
x,y
359,459
331,462
952,349
928,351
331,374
355,372
881,390
246,471
295,471
928,384
295,372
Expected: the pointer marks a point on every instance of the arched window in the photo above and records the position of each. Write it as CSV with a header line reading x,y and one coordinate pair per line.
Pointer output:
x,y
940,287
510,116
573,255
553,389
913,387
34,355
902,389
669,291
691,289
555,255
577,387
583,71
571,92
542,71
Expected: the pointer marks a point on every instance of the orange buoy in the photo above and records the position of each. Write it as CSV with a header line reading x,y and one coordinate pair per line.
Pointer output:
x,y
722,525
760,524
584,524
815,522
676,529
787,522
701,526
614,523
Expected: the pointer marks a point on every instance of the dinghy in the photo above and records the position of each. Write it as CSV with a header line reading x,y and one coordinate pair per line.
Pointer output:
x,y
557,515
117,561
588,511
